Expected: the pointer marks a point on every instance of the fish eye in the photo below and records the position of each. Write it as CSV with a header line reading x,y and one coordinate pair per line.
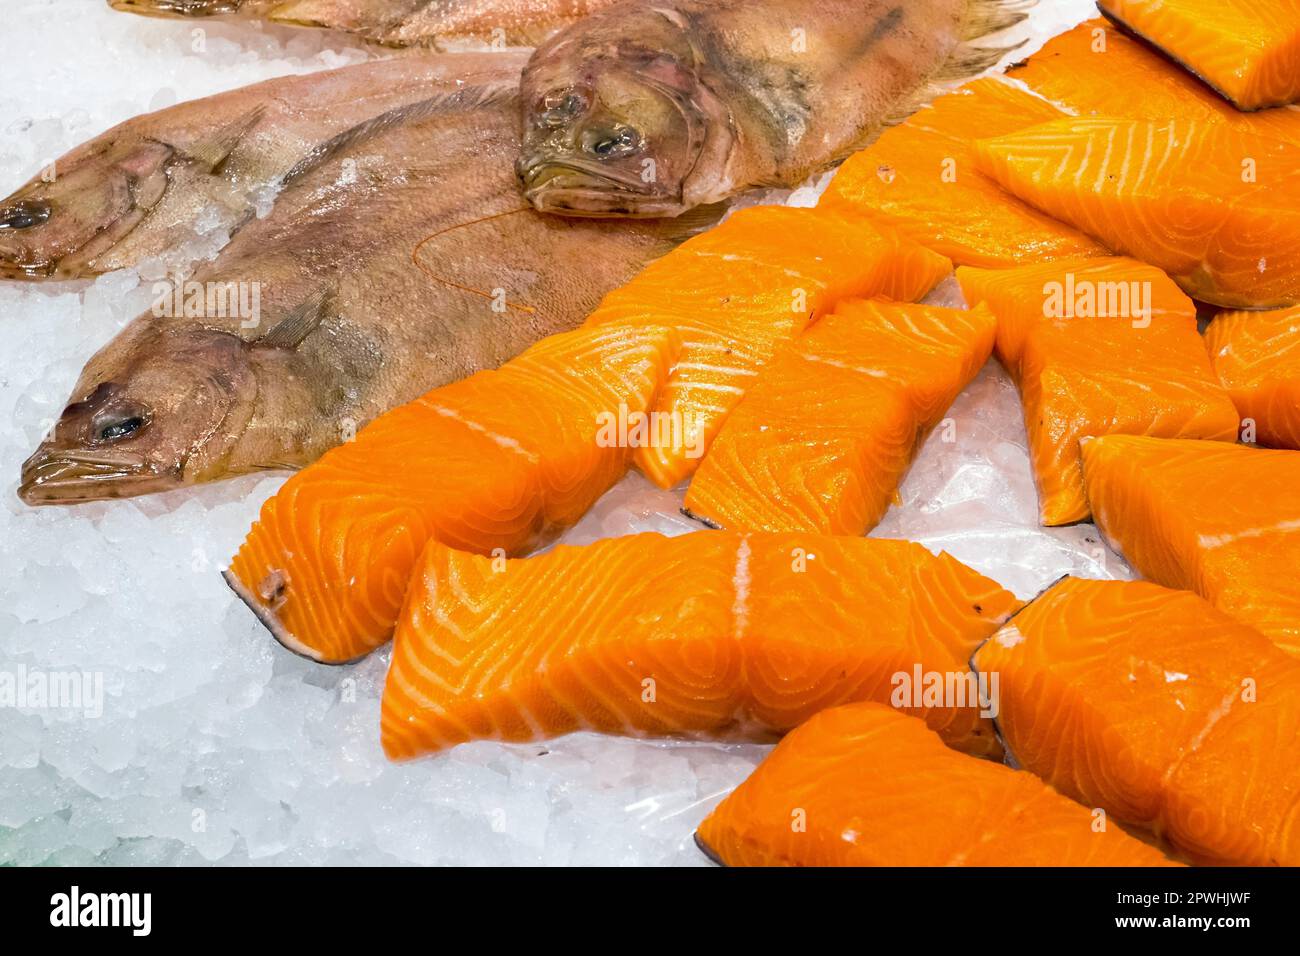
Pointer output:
x,y
615,142
121,428
24,214
560,106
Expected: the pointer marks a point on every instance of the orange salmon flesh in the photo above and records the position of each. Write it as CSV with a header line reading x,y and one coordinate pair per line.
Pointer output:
x,y
1153,706
863,785
709,633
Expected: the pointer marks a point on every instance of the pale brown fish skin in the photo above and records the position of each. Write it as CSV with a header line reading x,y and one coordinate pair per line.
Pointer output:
x,y
396,23
402,260
136,191
655,106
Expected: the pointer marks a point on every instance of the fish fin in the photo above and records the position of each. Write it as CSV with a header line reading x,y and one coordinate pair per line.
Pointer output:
x,y
694,221
215,149
290,331
469,97
985,17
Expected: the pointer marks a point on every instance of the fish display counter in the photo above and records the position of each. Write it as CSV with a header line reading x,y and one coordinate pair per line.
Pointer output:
x,y
498,433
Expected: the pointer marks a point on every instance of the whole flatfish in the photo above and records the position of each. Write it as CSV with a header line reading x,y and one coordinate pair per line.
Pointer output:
x,y
138,190
404,258
393,22
652,107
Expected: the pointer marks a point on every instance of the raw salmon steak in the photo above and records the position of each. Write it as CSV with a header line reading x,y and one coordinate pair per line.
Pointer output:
x,y
737,293
1248,50
710,633
1218,519
824,436
1257,358
921,178
1098,70
492,463
1210,205
1152,705
863,785
1098,347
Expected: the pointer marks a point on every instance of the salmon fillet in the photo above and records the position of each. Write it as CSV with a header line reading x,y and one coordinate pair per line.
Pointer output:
x,y
1257,358
1096,69
1088,360
921,178
738,292
1219,519
710,633
1210,205
492,463
1248,50
863,785
824,436
1158,708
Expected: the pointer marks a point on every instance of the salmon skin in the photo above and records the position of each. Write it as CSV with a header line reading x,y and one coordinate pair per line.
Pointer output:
x,y
1098,70
738,292
1247,50
921,178
654,107
397,23
1257,358
1210,205
706,634
824,436
1098,347
1218,519
1167,714
494,463
863,785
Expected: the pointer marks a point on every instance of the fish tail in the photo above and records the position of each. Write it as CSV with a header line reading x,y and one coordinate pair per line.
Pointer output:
x,y
986,17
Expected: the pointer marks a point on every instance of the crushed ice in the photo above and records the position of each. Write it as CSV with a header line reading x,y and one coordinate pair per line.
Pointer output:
x,y
216,745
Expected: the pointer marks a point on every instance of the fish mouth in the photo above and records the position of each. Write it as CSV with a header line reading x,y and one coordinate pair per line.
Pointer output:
x,y
14,270
574,188
64,478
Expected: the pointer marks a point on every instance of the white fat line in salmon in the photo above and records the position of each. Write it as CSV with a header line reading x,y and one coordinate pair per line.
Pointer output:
x,y
920,688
